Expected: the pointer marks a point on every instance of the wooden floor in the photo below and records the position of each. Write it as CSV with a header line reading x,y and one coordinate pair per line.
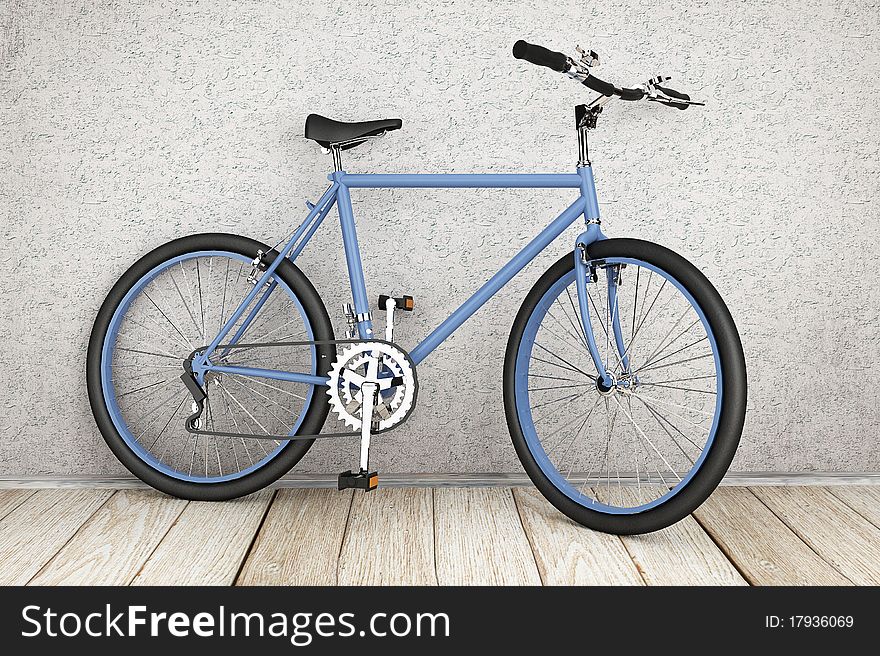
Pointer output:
x,y
425,536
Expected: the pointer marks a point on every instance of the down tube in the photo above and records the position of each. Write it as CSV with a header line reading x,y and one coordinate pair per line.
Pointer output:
x,y
496,282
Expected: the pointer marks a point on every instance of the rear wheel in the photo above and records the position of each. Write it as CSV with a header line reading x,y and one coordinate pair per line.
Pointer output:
x,y
642,454
173,301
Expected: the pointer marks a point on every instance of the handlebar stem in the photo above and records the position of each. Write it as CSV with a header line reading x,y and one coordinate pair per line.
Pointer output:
x,y
583,148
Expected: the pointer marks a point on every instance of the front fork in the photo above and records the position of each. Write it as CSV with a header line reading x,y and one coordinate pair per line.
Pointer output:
x,y
585,274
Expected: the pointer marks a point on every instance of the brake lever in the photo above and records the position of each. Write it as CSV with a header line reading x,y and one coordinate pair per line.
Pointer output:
x,y
674,102
657,93
579,69
589,58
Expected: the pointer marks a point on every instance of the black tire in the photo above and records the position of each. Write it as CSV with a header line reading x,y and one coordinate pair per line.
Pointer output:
x,y
314,417
733,406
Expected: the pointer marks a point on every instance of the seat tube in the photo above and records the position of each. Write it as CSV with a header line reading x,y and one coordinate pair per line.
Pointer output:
x,y
353,261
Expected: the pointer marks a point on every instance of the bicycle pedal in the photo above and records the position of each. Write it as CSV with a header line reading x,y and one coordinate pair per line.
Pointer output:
x,y
404,303
360,481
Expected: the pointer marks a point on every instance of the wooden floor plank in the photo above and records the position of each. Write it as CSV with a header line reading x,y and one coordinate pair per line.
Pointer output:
x,y
834,530
479,539
300,540
33,533
475,536
569,554
207,544
763,548
390,539
12,499
864,499
682,554
115,542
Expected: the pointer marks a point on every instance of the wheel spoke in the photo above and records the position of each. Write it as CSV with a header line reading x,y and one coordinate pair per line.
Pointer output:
x,y
201,302
577,346
167,423
145,387
649,365
647,439
561,359
152,411
576,335
255,393
645,400
151,353
561,366
686,389
275,387
554,387
663,346
682,380
568,380
642,323
596,310
246,411
672,364
635,304
657,414
577,317
655,400
223,304
666,430
558,400
184,301
577,432
179,338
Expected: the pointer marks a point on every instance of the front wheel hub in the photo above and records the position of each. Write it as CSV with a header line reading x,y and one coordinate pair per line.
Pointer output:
x,y
604,389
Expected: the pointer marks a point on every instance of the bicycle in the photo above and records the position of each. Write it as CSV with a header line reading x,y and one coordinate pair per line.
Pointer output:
x,y
213,366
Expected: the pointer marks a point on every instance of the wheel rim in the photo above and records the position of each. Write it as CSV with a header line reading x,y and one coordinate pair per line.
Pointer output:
x,y
664,419
148,376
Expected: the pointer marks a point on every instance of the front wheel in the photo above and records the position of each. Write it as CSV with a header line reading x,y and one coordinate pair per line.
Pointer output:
x,y
643,453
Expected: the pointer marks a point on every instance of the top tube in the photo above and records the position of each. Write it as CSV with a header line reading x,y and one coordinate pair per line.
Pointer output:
x,y
458,180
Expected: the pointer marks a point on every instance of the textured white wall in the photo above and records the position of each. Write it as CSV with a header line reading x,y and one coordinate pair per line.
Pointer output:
x,y
124,125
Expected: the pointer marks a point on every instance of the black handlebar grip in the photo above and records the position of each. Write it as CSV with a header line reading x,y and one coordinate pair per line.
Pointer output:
x,y
540,56
672,93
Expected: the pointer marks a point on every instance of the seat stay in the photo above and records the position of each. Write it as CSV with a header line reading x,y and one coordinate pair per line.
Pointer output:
x,y
317,212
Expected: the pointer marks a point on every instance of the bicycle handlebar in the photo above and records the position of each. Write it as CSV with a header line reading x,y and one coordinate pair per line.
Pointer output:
x,y
559,62
540,56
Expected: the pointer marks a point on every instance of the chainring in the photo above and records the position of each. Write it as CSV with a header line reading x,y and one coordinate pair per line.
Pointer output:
x,y
347,375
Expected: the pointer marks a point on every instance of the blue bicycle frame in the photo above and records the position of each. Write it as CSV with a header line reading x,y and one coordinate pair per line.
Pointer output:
x,y
338,194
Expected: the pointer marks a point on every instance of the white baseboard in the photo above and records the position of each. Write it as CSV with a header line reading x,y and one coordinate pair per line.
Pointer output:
x,y
445,480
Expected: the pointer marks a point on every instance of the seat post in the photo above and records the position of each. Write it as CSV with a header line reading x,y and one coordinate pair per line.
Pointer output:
x,y
337,157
